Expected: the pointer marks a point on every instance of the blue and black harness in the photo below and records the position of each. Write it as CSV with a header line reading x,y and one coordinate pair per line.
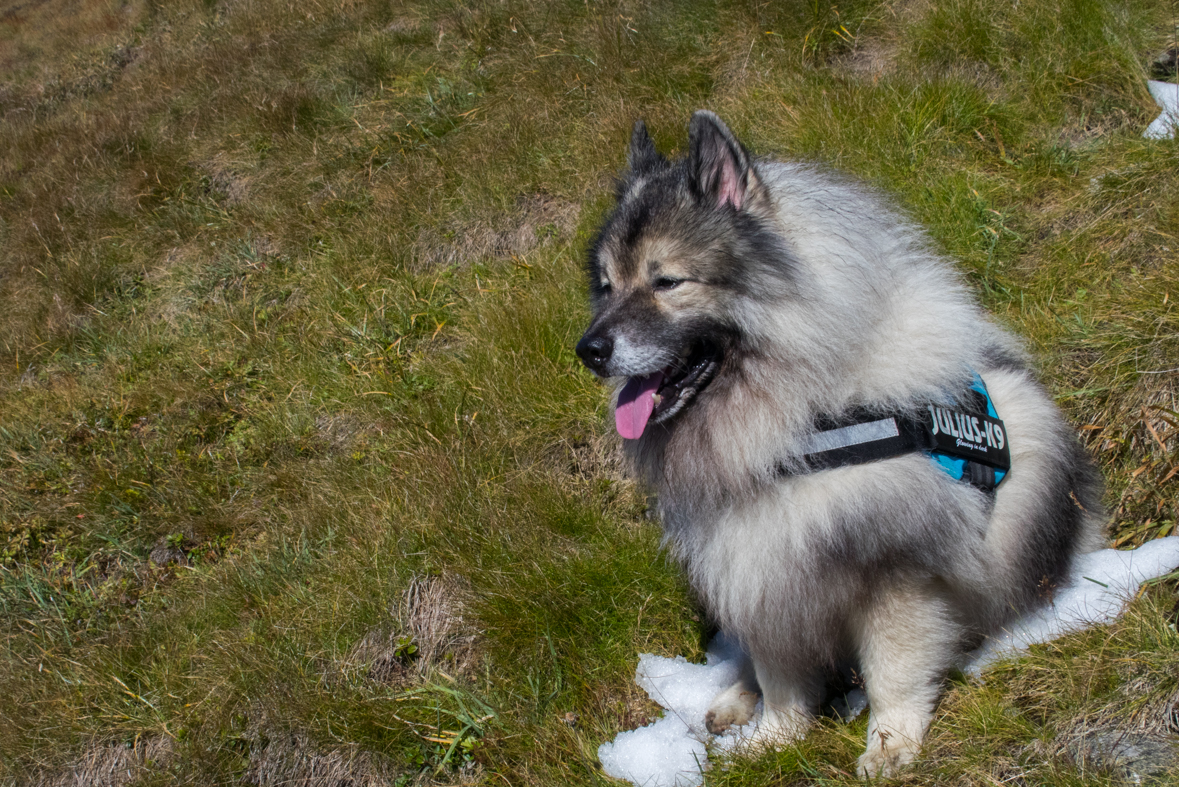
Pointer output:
x,y
967,441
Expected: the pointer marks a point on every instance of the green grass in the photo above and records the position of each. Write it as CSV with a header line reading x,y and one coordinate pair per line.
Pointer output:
x,y
289,300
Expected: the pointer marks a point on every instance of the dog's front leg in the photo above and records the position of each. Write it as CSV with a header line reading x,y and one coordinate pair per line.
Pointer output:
x,y
734,706
907,641
789,708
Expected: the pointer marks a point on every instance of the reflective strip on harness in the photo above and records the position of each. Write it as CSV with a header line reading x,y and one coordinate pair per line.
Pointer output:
x,y
856,434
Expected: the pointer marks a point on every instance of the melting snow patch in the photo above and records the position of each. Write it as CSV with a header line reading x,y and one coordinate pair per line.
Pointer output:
x,y
1166,95
1102,583
673,751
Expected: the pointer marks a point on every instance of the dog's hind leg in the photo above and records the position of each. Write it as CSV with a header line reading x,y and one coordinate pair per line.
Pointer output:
x,y
906,641
733,707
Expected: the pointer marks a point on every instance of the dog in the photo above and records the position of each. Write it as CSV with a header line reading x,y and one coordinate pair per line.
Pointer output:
x,y
755,316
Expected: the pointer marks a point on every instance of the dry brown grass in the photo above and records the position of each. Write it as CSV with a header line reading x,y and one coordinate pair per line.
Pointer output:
x,y
290,759
430,631
37,35
535,220
881,42
112,764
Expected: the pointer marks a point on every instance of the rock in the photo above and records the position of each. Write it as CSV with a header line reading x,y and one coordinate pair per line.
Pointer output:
x,y
1166,65
1137,757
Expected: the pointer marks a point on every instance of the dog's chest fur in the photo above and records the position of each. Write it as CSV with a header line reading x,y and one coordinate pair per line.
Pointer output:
x,y
807,552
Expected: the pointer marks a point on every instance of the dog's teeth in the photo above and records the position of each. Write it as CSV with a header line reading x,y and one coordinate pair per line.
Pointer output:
x,y
657,398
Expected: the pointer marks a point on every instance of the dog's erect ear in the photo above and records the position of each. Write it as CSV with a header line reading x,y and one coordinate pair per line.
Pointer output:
x,y
642,156
719,166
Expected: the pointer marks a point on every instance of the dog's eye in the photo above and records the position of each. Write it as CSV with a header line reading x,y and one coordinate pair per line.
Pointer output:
x,y
604,288
667,283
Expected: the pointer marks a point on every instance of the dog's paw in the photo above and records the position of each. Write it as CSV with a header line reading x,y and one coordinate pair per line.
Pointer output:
x,y
886,758
733,707
776,729
734,711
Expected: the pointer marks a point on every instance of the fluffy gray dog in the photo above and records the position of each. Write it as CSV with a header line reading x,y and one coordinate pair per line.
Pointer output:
x,y
852,462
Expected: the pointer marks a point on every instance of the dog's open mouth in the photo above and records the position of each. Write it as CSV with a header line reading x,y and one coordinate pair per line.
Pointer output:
x,y
660,395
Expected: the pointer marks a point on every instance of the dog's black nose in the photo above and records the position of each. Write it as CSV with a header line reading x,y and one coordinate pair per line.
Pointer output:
x,y
595,352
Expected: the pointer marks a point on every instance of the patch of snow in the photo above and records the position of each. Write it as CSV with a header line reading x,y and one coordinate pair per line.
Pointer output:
x,y
673,751
1166,95
1102,583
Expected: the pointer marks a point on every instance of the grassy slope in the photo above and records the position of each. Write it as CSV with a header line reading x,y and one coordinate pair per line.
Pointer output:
x,y
289,295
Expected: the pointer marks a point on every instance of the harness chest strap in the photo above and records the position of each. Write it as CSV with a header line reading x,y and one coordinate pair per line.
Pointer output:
x,y
969,443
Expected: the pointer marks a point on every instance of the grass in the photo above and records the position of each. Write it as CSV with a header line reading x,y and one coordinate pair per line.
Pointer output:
x,y
300,480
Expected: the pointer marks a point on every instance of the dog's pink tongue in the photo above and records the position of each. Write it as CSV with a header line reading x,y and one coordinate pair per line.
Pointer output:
x,y
636,401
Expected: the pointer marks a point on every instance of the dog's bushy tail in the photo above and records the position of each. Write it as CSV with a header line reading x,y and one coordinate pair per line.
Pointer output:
x,y
1049,508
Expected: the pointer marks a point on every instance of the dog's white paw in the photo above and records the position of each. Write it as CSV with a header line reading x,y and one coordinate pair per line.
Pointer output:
x,y
733,707
778,728
886,756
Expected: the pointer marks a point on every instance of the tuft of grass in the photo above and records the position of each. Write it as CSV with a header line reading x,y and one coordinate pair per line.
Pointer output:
x,y
300,479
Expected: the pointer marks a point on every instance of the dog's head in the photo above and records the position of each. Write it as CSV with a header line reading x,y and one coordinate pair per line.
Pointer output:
x,y
680,248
